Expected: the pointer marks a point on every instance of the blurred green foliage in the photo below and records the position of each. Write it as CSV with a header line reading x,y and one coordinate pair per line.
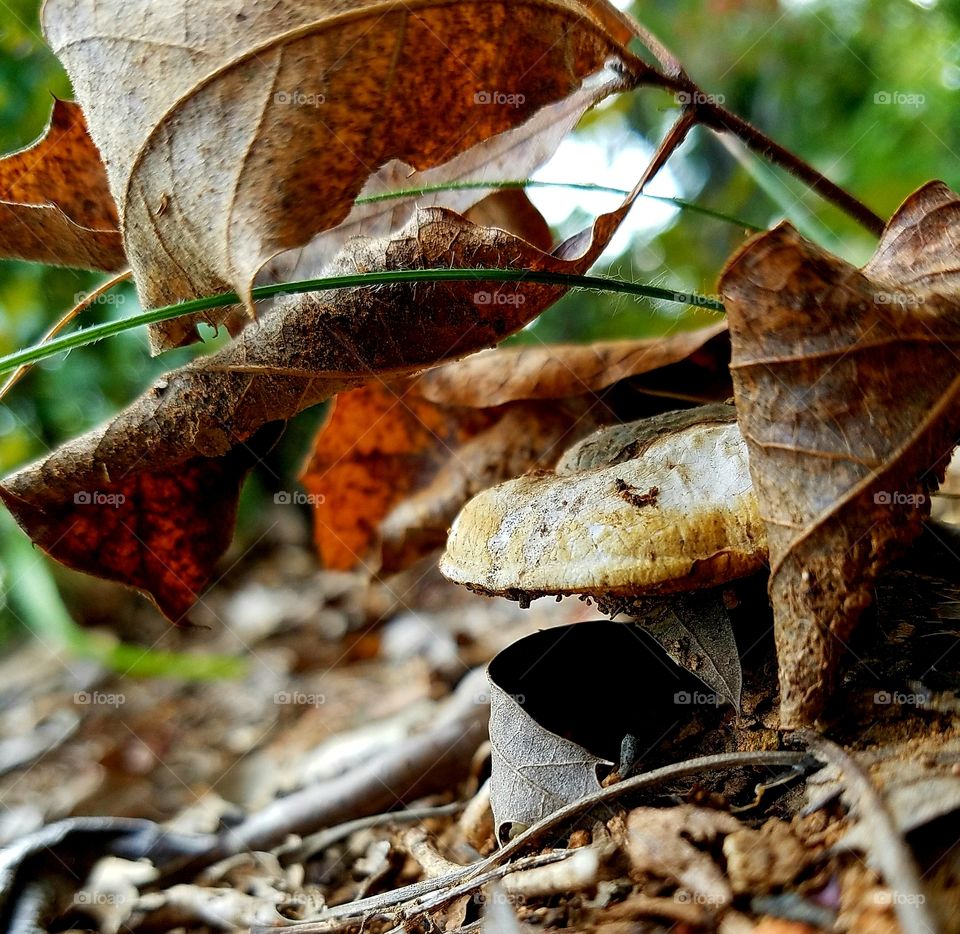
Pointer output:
x,y
863,89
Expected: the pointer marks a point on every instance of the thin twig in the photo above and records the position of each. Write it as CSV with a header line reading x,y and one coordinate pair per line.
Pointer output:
x,y
316,843
711,114
721,120
424,763
889,852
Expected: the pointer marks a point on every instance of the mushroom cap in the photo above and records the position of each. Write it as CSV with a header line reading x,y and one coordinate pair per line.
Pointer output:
x,y
664,505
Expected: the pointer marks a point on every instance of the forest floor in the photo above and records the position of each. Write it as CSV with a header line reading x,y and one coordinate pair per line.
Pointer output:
x,y
348,767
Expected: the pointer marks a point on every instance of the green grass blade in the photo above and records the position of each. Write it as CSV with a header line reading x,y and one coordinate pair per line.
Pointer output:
x,y
681,203
99,332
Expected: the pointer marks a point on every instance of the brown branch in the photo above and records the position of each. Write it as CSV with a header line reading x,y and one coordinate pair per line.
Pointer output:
x,y
711,114
721,120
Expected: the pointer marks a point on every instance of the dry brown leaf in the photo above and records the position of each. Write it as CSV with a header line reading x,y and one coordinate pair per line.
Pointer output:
x,y
511,155
846,386
233,132
199,427
396,461
556,372
512,210
662,842
55,205
763,860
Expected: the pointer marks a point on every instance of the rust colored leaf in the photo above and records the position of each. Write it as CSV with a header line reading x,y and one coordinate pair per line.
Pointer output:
x,y
381,441
305,350
235,131
55,204
396,461
847,388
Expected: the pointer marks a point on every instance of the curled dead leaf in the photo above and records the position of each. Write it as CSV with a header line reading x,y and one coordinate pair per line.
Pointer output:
x,y
307,349
843,459
562,701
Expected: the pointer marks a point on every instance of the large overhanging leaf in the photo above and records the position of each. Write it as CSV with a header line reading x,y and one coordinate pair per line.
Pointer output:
x,y
847,393
235,131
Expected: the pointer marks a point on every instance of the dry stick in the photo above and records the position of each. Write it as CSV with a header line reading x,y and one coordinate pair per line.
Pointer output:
x,y
715,117
331,925
77,309
523,864
418,890
889,850
318,842
721,120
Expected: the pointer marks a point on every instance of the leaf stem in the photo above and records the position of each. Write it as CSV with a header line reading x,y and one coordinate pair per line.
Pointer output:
x,y
98,332
710,113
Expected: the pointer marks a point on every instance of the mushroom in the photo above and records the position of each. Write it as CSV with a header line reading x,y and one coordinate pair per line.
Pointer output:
x,y
657,506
